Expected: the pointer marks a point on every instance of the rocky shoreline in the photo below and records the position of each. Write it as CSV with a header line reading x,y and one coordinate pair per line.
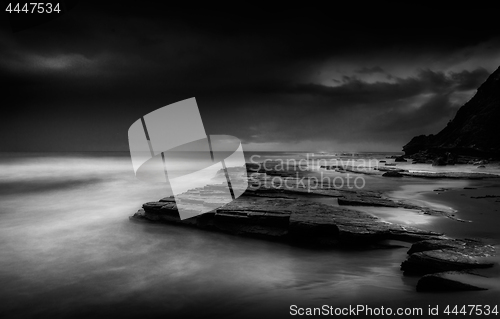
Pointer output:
x,y
292,220
393,171
286,213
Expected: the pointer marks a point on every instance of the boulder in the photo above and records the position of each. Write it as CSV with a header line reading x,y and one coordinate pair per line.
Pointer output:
x,y
440,255
440,161
441,260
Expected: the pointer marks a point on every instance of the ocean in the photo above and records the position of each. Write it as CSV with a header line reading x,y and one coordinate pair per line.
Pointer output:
x,y
68,249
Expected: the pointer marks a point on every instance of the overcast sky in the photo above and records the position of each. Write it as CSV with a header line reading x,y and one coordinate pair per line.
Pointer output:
x,y
277,78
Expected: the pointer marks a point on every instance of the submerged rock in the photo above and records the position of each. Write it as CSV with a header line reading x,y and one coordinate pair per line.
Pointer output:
x,y
392,174
448,281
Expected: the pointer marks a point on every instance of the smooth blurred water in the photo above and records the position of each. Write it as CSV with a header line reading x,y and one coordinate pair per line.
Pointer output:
x,y
67,249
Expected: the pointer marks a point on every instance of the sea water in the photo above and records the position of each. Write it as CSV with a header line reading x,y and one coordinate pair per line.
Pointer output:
x,y
68,249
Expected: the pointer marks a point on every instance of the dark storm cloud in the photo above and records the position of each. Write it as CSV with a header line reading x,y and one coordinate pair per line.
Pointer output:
x,y
359,111
375,69
79,81
468,80
354,91
434,110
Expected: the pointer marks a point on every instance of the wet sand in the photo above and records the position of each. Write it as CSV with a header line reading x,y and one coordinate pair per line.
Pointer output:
x,y
474,203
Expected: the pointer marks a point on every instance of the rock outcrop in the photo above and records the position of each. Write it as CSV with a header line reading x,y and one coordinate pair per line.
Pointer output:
x,y
441,255
297,221
474,131
449,264
450,175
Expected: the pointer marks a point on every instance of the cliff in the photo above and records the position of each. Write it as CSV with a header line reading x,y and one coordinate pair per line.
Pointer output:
x,y
475,130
